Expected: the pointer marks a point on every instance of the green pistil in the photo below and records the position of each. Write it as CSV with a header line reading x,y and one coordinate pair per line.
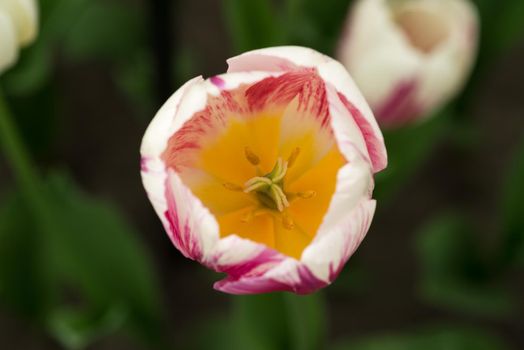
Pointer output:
x,y
268,188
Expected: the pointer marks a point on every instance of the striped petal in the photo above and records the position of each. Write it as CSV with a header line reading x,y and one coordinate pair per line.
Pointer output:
x,y
288,58
409,57
300,83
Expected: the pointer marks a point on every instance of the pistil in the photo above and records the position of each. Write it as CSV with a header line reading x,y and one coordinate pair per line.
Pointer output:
x,y
269,186
269,189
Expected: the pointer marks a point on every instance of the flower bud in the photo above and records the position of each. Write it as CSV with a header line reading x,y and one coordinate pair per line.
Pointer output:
x,y
18,28
409,57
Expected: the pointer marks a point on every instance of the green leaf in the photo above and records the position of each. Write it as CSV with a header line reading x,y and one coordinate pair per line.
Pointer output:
x,y
104,30
253,24
76,329
502,25
434,338
22,284
214,333
453,272
260,322
85,277
307,321
31,72
135,77
95,252
317,24
277,321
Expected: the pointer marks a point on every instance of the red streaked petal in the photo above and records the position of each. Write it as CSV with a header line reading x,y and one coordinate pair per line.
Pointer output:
x,y
374,142
304,84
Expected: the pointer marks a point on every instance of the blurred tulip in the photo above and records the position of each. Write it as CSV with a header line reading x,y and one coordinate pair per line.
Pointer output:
x,y
265,173
409,57
18,28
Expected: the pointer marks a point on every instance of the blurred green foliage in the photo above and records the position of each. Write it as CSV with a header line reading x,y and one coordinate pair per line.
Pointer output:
x,y
89,30
408,148
456,272
434,338
293,22
513,213
276,321
91,276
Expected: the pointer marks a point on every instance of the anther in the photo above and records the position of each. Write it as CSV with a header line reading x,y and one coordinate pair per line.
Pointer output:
x,y
288,222
232,187
306,194
293,157
251,156
247,217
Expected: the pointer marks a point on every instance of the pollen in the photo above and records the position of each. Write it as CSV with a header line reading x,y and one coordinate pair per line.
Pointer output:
x,y
293,157
232,187
251,156
306,194
288,222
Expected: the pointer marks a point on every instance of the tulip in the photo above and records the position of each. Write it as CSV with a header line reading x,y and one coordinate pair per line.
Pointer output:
x,y
409,57
18,28
265,173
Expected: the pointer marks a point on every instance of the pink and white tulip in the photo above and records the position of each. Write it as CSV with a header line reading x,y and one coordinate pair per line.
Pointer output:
x,y
409,57
265,173
18,28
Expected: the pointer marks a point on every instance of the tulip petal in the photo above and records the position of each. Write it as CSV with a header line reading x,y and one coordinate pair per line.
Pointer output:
x,y
289,58
269,271
8,45
295,81
413,57
24,14
192,228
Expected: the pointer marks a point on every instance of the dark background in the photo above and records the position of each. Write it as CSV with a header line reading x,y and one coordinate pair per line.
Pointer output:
x,y
439,263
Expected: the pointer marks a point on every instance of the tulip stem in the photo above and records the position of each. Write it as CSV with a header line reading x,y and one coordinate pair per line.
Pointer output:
x,y
23,168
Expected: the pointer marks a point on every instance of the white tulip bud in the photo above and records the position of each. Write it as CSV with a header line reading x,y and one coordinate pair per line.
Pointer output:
x,y
18,28
409,57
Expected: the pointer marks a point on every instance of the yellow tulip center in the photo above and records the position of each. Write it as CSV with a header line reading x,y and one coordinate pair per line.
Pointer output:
x,y
268,190
263,160
267,177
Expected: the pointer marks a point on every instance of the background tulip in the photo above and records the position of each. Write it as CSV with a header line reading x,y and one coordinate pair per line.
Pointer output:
x,y
85,262
266,172
18,27
409,57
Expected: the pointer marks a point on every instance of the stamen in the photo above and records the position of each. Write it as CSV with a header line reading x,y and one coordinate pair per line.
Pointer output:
x,y
268,188
282,195
256,183
232,187
306,194
288,222
251,156
277,198
293,157
247,217
279,171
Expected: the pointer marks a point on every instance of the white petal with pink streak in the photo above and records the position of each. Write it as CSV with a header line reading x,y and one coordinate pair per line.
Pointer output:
x,y
332,72
252,267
